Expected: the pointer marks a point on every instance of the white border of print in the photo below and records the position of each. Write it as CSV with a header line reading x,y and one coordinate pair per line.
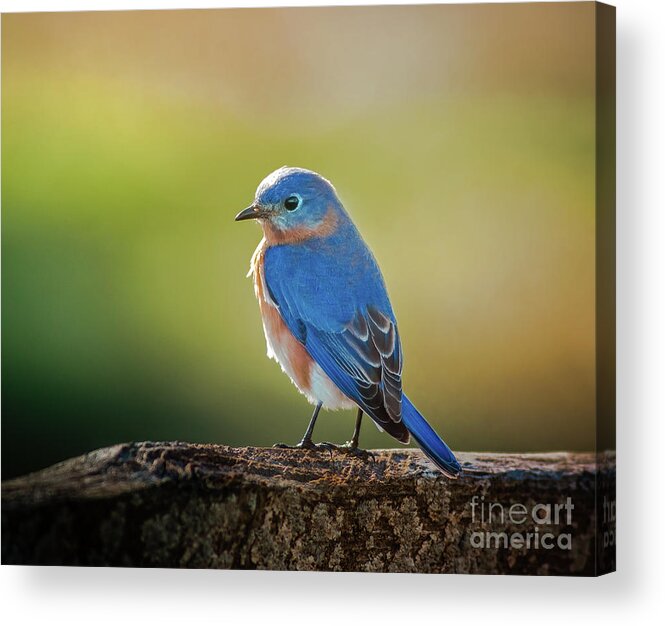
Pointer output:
x,y
100,596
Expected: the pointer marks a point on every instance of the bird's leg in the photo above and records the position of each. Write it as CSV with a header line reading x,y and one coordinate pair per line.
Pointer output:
x,y
353,444
307,437
351,447
306,441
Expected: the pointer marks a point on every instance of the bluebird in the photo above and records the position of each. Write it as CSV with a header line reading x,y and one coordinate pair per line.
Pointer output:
x,y
326,314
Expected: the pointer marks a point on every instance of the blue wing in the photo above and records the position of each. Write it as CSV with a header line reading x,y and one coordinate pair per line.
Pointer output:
x,y
341,313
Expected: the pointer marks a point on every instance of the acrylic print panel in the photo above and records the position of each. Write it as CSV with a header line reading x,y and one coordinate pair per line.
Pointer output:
x,y
437,259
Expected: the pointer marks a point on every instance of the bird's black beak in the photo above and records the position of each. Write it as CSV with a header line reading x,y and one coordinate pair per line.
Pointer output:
x,y
252,212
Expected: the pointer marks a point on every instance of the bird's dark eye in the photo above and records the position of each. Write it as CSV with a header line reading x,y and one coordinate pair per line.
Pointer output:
x,y
292,203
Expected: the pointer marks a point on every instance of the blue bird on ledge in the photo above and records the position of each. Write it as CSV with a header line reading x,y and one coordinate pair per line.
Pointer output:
x,y
326,313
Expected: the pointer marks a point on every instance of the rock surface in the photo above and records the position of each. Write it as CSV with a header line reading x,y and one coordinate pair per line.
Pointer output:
x,y
212,506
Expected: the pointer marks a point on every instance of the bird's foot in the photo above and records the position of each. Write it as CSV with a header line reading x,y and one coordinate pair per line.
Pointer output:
x,y
305,444
351,447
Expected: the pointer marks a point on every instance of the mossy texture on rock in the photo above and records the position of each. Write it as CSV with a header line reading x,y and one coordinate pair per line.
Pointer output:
x,y
209,506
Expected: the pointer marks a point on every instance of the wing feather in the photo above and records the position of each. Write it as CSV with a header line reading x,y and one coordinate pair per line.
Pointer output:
x,y
373,366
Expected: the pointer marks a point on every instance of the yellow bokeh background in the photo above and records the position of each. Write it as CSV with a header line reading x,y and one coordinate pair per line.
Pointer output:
x,y
460,138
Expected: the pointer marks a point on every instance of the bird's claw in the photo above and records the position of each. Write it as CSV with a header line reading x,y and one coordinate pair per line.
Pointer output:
x,y
352,448
349,447
305,444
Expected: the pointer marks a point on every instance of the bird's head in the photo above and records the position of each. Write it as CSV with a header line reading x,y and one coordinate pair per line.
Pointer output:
x,y
294,204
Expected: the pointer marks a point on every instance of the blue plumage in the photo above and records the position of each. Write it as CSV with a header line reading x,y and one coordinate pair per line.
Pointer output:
x,y
316,272
435,448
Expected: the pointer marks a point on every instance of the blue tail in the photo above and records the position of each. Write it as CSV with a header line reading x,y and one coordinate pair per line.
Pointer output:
x,y
433,446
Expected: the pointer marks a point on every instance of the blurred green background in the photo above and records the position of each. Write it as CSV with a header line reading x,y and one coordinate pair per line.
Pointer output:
x,y
460,138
